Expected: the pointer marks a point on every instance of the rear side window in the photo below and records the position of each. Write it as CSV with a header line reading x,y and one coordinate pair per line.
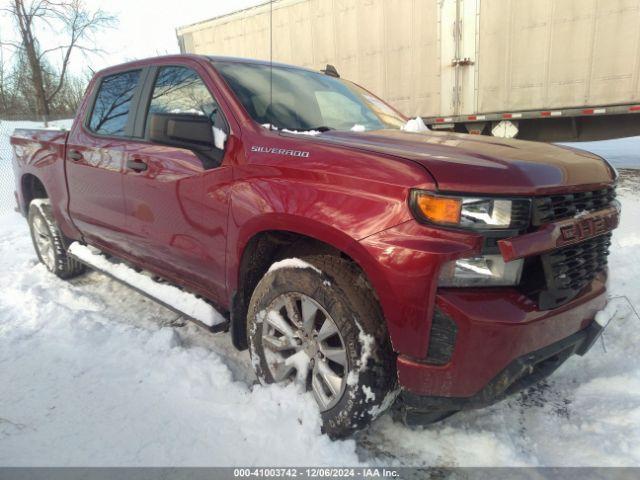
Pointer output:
x,y
181,90
113,101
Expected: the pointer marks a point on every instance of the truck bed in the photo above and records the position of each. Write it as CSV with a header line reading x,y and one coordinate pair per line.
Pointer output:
x,y
40,152
37,145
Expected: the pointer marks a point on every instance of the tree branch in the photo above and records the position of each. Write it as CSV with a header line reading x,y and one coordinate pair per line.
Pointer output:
x,y
67,18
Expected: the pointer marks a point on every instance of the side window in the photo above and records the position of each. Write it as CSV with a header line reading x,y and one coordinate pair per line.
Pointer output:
x,y
111,108
181,90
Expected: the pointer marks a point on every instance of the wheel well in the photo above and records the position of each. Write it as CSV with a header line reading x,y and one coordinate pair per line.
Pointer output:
x,y
260,253
32,188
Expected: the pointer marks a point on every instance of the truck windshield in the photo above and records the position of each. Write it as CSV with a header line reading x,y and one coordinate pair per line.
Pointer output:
x,y
302,100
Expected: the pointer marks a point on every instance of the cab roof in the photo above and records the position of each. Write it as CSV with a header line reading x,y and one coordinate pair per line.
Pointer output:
x,y
144,62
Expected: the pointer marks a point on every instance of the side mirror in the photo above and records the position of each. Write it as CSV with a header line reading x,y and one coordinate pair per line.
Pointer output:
x,y
190,131
181,130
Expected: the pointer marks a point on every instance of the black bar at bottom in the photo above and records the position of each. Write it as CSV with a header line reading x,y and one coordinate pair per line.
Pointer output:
x,y
230,473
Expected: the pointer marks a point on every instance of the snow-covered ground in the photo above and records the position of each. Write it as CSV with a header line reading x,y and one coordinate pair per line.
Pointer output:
x,y
91,373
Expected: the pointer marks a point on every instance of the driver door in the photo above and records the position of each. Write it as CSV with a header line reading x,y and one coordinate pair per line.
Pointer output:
x,y
176,205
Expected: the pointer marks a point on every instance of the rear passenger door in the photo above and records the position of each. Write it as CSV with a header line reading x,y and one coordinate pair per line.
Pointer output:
x,y
97,150
176,202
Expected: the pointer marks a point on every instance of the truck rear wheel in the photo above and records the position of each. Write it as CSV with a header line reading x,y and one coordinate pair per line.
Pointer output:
x,y
316,322
49,242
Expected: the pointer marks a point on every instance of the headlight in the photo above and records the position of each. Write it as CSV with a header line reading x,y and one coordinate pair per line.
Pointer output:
x,y
481,271
478,213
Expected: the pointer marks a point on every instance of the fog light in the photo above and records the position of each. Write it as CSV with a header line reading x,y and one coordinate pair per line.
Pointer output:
x,y
481,271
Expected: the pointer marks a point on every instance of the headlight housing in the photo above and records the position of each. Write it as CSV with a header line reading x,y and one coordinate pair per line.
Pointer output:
x,y
481,271
470,212
480,214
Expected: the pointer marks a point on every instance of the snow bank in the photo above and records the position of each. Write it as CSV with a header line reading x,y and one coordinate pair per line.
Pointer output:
x,y
11,125
91,378
615,308
191,305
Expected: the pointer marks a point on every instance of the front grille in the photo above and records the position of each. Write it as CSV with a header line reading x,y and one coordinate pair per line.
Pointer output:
x,y
569,269
520,213
556,207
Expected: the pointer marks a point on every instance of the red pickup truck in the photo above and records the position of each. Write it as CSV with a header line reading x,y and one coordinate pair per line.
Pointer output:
x,y
371,264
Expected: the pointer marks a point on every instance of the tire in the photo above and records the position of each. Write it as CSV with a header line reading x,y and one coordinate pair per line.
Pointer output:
x,y
49,242
340,295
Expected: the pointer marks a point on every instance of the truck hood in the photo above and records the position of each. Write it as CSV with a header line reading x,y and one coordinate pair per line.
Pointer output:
x,y
481,164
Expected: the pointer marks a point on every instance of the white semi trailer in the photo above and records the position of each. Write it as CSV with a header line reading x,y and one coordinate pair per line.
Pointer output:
x,y
539,69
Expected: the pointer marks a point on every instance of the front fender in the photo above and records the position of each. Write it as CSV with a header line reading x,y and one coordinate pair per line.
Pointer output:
x,y
328,206
399,257
309,227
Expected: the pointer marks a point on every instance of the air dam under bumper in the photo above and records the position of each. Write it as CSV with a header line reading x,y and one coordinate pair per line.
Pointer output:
x,y
503,344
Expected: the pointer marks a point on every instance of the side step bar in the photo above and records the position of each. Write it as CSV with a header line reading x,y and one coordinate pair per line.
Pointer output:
x,y
184,303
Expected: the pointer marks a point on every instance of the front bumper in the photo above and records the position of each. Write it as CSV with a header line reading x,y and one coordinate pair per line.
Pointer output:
x,y
521,373
495,327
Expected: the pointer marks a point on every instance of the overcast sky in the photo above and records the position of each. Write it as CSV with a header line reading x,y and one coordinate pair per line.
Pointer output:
x,y
145,27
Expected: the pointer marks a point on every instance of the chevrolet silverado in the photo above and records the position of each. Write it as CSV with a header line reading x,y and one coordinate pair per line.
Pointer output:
x,y
370,263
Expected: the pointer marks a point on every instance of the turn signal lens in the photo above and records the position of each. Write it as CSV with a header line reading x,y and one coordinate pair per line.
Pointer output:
x,y
439,209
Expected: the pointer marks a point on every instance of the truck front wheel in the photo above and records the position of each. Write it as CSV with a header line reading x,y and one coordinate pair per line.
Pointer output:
x,y
316,322
49,242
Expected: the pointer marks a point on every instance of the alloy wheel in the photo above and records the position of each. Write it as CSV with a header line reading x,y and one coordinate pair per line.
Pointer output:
x,y
44,242
302,343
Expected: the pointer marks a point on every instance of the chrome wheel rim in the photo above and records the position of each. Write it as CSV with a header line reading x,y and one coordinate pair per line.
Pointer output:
x,y
302,343
44,242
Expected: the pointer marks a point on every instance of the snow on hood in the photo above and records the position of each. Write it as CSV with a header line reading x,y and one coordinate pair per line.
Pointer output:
x,y
269,126
415,125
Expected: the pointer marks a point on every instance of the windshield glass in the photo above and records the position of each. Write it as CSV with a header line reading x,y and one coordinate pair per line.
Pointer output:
x,y
305,100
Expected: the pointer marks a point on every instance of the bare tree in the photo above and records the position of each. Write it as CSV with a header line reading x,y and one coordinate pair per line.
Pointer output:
x,y
77,23
4,94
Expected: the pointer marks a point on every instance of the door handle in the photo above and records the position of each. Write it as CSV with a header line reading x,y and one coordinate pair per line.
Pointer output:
x,y
74,155
137,165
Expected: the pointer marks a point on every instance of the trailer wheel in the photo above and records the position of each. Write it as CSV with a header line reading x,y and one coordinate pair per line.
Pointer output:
x,y
49,242
317,323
